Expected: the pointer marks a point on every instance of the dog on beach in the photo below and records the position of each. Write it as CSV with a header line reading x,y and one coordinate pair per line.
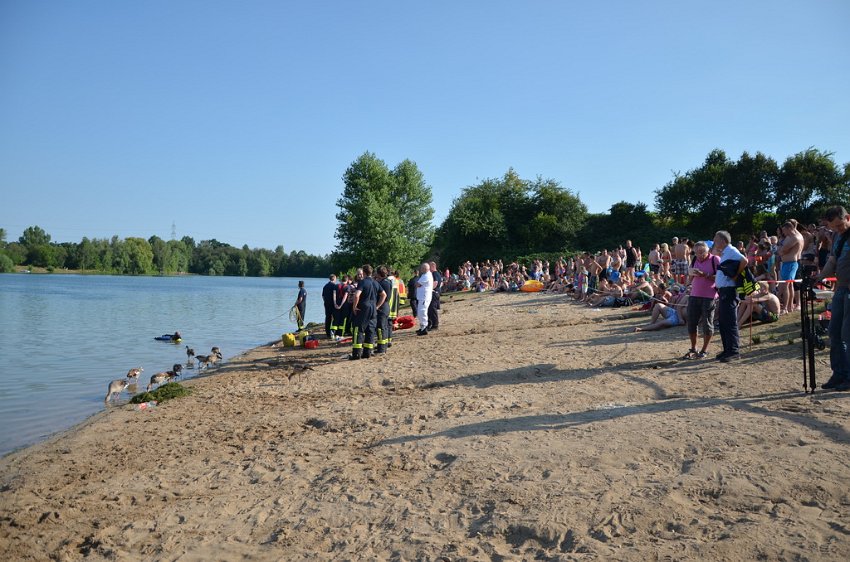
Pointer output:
x,y
133,374
116,387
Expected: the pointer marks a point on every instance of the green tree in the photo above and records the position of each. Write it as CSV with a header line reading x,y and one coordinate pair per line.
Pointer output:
x,y
6,264
507,217
160,254
34,236
808,182
720,194
384,216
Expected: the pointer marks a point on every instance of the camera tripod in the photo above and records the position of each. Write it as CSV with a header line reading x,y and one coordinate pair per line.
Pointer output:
x,y
811,334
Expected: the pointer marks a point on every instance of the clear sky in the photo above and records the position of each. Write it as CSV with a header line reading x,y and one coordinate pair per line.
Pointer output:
x,y
235,120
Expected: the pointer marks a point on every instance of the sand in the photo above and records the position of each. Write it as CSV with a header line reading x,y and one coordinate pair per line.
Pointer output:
x,y
527,427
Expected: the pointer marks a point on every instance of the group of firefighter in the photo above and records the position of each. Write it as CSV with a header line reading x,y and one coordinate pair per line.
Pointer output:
x,y
364,308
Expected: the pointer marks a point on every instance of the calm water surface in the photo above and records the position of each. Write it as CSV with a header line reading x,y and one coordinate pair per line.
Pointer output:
x,y
64,337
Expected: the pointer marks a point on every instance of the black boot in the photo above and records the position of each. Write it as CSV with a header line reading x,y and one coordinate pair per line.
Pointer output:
x,y
834,381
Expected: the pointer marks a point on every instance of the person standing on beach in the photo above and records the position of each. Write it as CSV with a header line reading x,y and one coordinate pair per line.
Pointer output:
x,y
368,297
681,257
424,291
631,262
411,291
328,293
838,264
383,311
727,305
701,300
342,308
434,305
789,252
301,305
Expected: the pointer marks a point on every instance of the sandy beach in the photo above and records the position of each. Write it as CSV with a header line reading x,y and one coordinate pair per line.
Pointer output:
x,y
527,427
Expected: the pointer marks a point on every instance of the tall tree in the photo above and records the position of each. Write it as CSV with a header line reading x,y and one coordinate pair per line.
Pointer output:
x,y
509,216
808,182
384,216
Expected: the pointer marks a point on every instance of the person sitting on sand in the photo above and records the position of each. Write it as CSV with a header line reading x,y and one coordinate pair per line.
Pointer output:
x,y
607,297
761,305
663,316
642,291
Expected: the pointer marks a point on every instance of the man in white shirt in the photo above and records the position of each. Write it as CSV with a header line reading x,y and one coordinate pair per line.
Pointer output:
x,y
726,283
424,288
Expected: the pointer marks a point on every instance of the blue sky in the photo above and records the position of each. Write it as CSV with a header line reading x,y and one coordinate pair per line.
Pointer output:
x,y
236,120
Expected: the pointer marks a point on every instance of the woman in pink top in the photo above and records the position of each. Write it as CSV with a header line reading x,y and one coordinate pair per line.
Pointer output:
x,y
701,301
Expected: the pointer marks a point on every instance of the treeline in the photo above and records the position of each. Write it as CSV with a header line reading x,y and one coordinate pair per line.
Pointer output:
x,y
385,217
511,218
137,256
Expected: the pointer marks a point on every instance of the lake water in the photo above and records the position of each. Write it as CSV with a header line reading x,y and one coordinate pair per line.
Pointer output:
x,y
64,337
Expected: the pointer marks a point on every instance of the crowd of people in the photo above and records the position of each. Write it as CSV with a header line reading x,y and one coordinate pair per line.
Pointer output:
x,y
697,284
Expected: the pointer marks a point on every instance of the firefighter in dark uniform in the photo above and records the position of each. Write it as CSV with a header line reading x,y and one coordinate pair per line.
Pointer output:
x,y
328,294
384,323
368,297
411,290
342,308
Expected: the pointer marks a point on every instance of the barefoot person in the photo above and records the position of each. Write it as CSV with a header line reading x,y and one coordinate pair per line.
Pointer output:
x,y
702,298
789,252
681,257
663,316
761,305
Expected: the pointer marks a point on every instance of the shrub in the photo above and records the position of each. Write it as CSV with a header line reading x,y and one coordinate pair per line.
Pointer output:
x,y
6,264
163,393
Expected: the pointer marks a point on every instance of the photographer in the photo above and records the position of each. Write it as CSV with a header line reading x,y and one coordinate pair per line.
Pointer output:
x,y
838,264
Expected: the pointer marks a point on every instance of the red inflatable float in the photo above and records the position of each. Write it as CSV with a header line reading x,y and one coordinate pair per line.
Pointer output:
x,y
404,322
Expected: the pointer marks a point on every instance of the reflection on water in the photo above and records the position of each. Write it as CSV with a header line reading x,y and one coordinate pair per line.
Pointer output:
x,y
63,338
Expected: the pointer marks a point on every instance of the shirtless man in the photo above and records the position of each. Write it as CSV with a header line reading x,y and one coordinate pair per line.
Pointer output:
x,y
654,259
789,252
593,270
681,260
631,262
762,305
604,261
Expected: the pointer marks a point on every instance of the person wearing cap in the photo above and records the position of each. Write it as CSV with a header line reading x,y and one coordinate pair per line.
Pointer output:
x,y
301,305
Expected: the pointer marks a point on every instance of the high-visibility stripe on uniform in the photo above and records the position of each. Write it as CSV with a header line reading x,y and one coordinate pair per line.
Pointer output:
x,y
355,344
402,293
394,299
